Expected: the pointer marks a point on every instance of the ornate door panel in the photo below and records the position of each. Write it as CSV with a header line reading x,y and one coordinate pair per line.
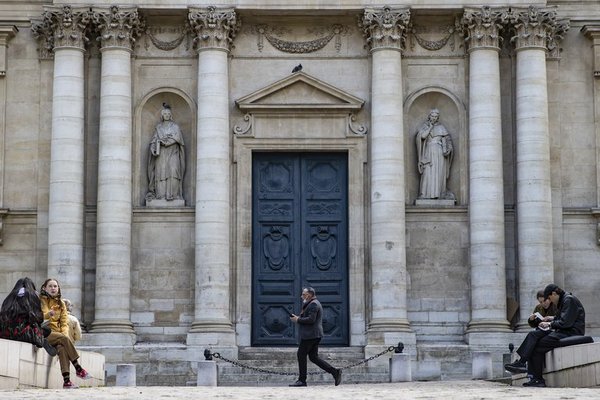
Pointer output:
x,y
300,238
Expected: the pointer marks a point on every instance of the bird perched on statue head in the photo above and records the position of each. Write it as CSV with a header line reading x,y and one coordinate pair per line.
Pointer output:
x,y
297,68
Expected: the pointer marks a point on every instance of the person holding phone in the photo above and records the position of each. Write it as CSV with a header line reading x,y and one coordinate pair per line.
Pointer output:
x,y
310,323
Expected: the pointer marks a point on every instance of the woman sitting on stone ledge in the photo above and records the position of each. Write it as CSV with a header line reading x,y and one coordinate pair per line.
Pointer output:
x,y
21,316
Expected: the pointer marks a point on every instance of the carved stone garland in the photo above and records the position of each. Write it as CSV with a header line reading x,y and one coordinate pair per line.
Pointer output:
x,y
167,45
309,46
434,45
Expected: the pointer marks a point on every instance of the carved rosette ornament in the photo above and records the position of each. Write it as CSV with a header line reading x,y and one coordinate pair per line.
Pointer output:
x,y
385,27
214,28
483,27
62,27
535,27
118,27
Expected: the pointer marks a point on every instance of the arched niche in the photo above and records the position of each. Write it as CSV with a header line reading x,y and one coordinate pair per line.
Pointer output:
x,y
453,116
147,116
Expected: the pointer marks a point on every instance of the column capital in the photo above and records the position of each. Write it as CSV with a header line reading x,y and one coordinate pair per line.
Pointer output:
x,y
536,27
483,27
6,33
385,27
118,26
214,27
63,26
593,32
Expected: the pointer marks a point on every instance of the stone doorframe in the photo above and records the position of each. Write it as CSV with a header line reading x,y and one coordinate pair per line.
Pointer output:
x,y
299,113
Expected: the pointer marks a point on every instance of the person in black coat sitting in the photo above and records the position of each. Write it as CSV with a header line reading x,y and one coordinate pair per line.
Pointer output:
x,y
569,321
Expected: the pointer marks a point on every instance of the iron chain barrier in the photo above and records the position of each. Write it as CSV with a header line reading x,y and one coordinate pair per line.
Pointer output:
x,y
208,356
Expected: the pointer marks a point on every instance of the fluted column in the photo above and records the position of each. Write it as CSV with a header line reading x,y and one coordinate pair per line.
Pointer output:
x,y
214,30
486,191
384,29
532,27
64,29
118,28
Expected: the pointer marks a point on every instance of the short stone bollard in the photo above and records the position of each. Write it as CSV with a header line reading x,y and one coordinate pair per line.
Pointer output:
x,y
482,365
400,368
125,375
207,373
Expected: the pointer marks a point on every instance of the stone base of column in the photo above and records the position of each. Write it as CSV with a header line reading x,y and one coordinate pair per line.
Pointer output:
x,y
383,334
212,334
489,326
523,326
492,340
107,339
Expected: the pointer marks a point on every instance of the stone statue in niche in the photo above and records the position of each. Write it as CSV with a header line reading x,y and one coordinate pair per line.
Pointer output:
x,y
166,163
434,156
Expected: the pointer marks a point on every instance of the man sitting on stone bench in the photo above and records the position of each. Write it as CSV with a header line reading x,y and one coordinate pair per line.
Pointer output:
x,y
569,321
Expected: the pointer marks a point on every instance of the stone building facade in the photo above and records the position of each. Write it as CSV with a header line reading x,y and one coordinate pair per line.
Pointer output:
x,y
300,163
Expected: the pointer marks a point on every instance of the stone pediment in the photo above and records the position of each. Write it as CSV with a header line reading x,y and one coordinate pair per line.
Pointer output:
x,y
299,92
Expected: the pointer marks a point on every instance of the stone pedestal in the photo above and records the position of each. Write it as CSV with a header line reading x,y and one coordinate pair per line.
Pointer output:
x,y
482,365
162,203
125,375
207,373
400,368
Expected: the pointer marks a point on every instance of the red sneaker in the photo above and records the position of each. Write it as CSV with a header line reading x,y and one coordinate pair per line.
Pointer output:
x,y
70,385
83,374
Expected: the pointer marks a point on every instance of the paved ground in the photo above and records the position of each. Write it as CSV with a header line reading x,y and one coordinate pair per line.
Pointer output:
x,y
463,390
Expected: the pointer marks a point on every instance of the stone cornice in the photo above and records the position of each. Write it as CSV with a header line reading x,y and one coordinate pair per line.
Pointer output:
x,y
537,28
118,26
483,27
213,27
63,26
385,27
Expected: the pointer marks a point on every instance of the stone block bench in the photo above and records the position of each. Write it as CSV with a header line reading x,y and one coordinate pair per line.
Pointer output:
x,y
575,364
22,365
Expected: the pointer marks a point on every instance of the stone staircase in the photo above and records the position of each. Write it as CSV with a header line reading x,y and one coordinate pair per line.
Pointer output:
x,y
283,361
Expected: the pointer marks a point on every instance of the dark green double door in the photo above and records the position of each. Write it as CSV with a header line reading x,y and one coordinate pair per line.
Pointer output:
x,y
299,239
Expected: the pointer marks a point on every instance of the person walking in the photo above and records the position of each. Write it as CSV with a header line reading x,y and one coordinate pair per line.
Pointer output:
x,y
310,323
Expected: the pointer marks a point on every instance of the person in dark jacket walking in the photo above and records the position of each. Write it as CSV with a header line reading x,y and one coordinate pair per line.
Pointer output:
x,y
569,321
310,323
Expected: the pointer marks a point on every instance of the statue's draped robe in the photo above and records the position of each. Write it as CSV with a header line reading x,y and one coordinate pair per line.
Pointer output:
x,y
434,151
165,170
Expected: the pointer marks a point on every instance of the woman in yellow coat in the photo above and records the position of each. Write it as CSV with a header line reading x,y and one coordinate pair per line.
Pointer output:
x,y
57,318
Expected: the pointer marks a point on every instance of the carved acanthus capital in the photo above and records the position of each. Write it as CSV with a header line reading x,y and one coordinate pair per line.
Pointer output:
x,y
385,27
118,26
64,26
536,27
214,28
483,27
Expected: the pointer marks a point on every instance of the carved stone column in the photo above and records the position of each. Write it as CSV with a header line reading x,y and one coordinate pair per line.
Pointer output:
x,y
117,28
384,30
593,33
214,30
64,30
486,191
532,28
6,33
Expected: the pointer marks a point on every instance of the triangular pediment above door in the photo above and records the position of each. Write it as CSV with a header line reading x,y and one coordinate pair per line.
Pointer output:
x,y
299,91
